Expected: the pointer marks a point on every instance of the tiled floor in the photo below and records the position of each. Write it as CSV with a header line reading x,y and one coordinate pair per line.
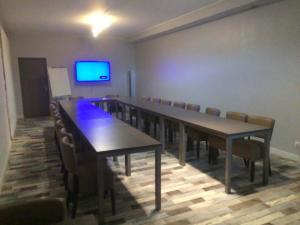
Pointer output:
x,y
193,194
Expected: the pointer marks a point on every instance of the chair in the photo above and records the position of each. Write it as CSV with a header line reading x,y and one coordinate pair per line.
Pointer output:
x,y
111,106
193,107
82,178
75,97
251,149
156,100
212,111
173,127
180,105
34,212
216,143
198,136
165,102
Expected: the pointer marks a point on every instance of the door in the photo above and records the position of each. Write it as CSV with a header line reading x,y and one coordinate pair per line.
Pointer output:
x,y
34,83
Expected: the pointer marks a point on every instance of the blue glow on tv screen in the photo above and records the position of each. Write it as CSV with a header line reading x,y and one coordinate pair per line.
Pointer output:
x,y
92,71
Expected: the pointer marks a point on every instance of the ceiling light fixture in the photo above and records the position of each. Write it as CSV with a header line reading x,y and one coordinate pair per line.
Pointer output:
x,y
98,21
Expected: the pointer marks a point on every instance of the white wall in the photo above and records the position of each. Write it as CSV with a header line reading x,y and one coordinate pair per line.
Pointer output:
x,y
248,62
63,51
7,103
10,82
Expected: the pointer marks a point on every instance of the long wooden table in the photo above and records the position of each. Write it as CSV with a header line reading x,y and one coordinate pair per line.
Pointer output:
x,y
109,136
212,125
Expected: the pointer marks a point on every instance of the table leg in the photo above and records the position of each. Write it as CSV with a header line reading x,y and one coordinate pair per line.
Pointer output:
x,y
124,113
182,144
158,179
100,180
162,133
266,161
139,119
127,164
228,164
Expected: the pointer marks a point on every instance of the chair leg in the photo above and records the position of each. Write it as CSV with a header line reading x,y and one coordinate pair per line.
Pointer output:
x,y
170,135
113,201
75,202
131,120
270,171
198,149
68,199
252,171
246,162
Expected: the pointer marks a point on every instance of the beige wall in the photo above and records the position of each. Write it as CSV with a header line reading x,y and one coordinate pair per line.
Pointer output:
x,y
63,51
248,62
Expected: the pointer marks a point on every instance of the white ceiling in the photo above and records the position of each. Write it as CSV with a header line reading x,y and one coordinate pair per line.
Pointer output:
x,y
133,16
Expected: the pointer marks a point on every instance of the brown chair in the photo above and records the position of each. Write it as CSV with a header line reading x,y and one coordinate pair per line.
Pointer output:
x,y
216,143
44,211
193,107
212,111
180,105
173,127
198,136
250,149
82,178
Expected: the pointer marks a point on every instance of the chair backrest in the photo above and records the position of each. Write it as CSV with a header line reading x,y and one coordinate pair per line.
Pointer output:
x,y
179,105
213,111
33,212
156,100
166,102
64,133
262,121
193,107
75,97
146,98
237,116
58,125
112,96
69,155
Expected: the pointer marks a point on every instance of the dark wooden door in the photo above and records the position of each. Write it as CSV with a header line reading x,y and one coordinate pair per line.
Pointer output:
x,y
34,83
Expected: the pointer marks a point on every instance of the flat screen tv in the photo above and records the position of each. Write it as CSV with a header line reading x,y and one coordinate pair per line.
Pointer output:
x,y
92,71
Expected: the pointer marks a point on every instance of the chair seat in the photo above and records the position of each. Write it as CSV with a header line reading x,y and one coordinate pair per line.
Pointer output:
x,y
248,149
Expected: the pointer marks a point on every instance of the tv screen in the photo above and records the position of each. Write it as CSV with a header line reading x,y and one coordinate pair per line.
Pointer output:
x,y
92,71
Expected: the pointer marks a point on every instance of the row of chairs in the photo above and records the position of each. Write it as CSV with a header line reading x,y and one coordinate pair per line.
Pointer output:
x,y
79,165
250,149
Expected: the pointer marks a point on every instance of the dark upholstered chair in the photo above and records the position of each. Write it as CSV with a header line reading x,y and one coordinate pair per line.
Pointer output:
x,y
216,143
198,136
82,178
111,106
44,211
173,127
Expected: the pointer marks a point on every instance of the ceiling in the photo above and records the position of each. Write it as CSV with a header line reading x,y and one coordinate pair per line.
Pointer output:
x,y
63,16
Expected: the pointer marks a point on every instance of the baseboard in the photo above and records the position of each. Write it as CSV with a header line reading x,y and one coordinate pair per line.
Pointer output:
x,y
285,154
4,165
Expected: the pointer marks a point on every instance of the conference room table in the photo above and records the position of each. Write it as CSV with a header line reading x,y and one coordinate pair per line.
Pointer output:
x,y
211,125
109,136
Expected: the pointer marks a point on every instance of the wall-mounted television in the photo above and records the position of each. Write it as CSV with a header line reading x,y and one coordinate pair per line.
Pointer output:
x,y
92,71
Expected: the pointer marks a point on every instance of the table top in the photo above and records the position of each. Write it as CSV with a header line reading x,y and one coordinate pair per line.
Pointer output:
x,y
105,133
210,124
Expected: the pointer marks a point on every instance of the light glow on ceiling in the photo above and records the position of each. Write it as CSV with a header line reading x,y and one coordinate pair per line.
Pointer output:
x,y
99,21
